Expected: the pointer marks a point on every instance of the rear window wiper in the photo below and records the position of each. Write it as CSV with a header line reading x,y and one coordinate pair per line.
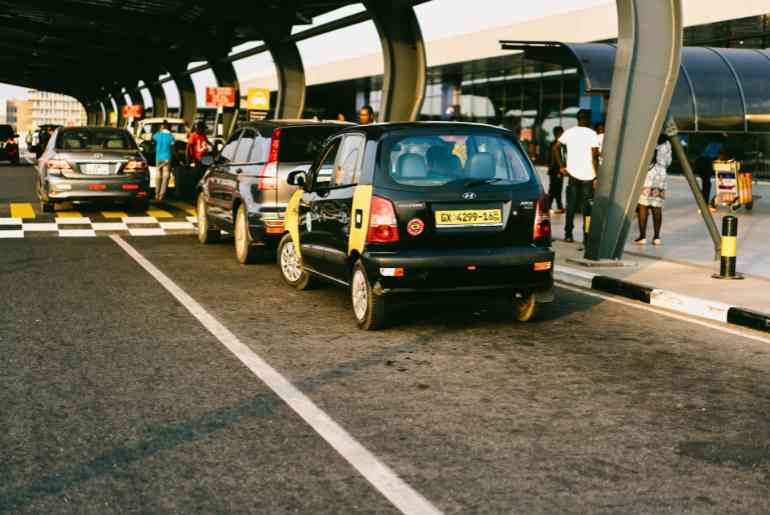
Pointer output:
x,y
479,182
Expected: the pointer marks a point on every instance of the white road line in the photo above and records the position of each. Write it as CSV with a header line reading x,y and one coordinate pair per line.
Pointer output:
x,y
157,231
396,490
676,316
77,233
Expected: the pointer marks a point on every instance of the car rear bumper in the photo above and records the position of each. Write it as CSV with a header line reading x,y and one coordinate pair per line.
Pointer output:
x,y
61,188
512,268
266,226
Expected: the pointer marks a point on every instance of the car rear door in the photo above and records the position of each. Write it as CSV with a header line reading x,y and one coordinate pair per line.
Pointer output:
x,y
335,209
216,183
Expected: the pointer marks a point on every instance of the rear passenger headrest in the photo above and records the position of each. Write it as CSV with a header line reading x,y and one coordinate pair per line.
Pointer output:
x,y
481,166
412,166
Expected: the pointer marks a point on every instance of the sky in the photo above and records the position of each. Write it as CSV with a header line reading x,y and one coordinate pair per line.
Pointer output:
x,y
438,19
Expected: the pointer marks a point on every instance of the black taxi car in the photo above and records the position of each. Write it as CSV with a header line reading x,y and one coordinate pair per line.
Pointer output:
x,y
393,209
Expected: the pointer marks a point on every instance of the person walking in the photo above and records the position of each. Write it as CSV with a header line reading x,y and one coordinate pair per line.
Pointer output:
x,y
555,178
581,166
654,192
366,115
164,143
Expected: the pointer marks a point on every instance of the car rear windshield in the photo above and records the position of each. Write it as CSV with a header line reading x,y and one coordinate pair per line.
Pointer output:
x,y
6,132
436,158
302,144
96,139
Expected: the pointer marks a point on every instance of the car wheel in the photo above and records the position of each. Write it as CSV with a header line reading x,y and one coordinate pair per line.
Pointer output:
x,y
245,251
369,308
525,309
290,263
47,207
206,235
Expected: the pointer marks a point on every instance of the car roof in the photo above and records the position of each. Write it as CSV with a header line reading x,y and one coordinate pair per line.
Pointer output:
x,y
376,130
92,128
274,124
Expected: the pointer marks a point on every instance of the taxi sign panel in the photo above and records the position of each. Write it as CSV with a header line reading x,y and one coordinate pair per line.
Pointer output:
x,y
220,97
258,99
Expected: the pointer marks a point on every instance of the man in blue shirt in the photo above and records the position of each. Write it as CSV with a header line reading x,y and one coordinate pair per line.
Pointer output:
x,y
164,143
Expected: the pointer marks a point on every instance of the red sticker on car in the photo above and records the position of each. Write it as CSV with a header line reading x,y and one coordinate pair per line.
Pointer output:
x,y
415,227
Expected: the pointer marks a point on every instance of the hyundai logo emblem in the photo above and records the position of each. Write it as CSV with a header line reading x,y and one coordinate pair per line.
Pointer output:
x,y
469,195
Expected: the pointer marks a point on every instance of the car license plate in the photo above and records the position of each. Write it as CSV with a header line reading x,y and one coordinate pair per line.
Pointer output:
x,y
466,217
96,169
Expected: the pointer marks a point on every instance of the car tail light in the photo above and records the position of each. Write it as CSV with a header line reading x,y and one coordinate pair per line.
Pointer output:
x,y
136,166
130,186
58,166
542,231
383,225
268,178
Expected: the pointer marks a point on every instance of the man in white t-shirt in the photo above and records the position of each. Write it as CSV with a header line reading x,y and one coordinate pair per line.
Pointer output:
x,y
582,144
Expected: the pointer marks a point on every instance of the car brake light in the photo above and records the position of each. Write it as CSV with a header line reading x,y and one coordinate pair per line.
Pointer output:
x,y
383,225
57,166
542,232
136,166
268,180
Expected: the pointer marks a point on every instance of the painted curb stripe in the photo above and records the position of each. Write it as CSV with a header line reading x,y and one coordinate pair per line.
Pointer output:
x,y
701,308
748,318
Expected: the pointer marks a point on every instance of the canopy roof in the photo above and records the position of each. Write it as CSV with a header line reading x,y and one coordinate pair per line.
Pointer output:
x,y
74,46
719,89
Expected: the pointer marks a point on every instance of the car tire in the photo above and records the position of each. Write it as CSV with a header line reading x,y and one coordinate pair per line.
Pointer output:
x,y
47,207
369,308
526,308
245,251
290,264
206,235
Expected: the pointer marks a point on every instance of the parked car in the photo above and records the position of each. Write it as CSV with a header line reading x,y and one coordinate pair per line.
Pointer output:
x,y
395,209
92,163
145,129
244,191
9,145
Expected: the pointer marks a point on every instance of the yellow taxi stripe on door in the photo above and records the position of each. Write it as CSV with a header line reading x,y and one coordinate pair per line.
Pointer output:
x,y
159,213
359,219
22,210
291,222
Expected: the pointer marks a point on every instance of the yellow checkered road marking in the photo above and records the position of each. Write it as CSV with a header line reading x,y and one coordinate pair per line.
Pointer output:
x,y
22,210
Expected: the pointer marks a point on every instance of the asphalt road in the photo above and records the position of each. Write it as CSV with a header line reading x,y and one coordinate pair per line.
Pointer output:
x,y
115,399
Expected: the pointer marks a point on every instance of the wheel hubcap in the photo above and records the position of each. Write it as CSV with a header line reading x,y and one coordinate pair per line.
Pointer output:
x,y
360,294
290,266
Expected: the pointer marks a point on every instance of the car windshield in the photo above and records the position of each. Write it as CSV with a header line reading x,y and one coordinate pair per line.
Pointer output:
x,y
436,158
96,139
174,128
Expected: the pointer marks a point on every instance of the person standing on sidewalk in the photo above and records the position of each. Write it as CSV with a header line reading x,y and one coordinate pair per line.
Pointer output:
x,y
654,192
555,178
582,165
164,143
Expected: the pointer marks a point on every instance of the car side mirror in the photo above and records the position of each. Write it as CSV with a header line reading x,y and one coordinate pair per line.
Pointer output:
x,y
297,178
207,161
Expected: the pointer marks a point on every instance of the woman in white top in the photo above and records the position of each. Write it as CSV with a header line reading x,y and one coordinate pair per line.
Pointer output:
x,y
654,192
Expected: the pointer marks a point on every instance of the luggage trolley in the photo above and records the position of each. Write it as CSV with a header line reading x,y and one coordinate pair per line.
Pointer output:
x,y
734,187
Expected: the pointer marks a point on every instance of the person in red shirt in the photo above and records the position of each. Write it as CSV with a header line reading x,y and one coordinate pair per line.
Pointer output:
x,y
198,145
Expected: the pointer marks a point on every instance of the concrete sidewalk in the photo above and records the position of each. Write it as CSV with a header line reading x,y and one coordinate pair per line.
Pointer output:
x,y
686,239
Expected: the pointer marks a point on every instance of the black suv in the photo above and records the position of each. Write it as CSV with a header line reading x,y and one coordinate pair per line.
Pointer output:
x,y
244,191
9,146
397,209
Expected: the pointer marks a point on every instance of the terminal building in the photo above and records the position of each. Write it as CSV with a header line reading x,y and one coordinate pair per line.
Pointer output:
x,y
471,78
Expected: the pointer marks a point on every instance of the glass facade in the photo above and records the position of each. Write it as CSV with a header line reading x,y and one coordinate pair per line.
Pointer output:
x,y
515,92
